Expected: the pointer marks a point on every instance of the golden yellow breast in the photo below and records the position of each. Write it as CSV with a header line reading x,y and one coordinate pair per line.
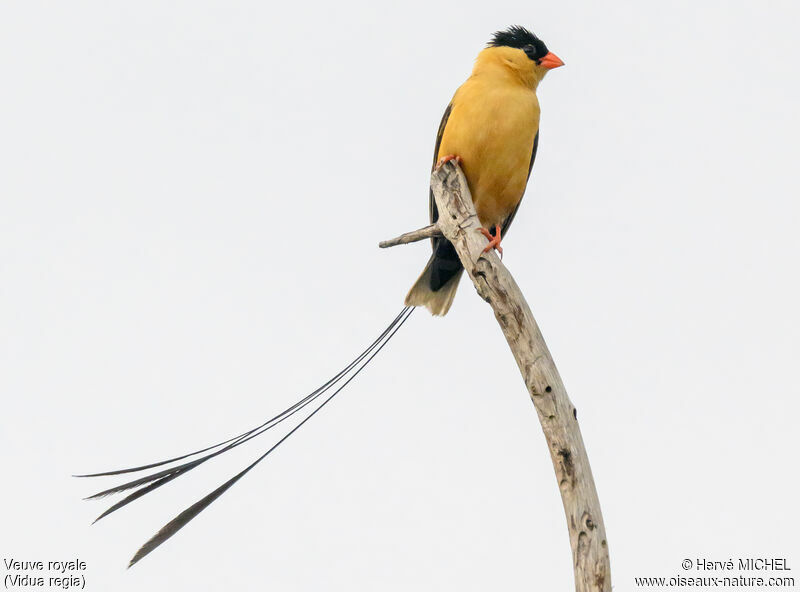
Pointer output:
x,y
492,126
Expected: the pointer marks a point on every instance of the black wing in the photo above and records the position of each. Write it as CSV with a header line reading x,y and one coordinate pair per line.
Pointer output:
x,y
445,264
507,221
434,213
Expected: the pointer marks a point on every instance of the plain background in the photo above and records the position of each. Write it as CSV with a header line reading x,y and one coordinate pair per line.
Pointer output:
x,y
192,195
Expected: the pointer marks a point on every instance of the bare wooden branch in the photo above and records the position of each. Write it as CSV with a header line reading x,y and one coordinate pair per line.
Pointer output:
x,y
558,417
411,237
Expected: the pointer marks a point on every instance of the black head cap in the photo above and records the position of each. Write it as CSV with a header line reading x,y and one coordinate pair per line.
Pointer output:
x,y
520,38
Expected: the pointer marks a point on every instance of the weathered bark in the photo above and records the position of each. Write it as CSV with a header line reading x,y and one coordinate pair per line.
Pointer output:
x,y
459,224
411,237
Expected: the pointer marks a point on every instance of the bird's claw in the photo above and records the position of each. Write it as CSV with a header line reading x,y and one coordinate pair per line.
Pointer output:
x,y
447,158
494,241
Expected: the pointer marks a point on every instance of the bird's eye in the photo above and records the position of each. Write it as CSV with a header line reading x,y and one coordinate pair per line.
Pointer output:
x,y
530,51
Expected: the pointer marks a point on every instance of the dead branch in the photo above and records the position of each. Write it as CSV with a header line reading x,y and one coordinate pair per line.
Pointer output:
x,y
459,224
411,237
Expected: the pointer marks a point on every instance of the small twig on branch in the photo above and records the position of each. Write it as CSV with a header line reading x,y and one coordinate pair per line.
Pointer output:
x,y
411,237
459,224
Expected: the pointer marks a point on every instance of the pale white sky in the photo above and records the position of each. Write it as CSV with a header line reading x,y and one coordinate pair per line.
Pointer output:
x,y
171,274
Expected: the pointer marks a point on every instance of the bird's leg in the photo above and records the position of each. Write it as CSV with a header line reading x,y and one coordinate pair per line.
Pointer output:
x,y
494,241
445,159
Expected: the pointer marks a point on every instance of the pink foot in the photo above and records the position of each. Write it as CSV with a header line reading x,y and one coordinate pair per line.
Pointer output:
x,y
445,159
494,241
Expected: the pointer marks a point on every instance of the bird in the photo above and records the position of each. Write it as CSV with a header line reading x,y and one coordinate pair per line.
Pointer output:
x,y
491,129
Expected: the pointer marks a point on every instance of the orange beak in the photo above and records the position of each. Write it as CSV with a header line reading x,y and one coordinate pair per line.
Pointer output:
x,y
551,61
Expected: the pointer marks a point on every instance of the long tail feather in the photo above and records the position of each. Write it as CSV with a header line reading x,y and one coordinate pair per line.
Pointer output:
x,y
293,408
147,479
277,419
155,480
159,463
192,511
234,442
183,518
137,494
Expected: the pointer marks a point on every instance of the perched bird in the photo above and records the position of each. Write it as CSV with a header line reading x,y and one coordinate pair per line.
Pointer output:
x,y
491,128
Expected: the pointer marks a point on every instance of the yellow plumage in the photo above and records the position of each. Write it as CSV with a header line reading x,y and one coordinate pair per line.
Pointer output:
x,y
493,121
492,125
